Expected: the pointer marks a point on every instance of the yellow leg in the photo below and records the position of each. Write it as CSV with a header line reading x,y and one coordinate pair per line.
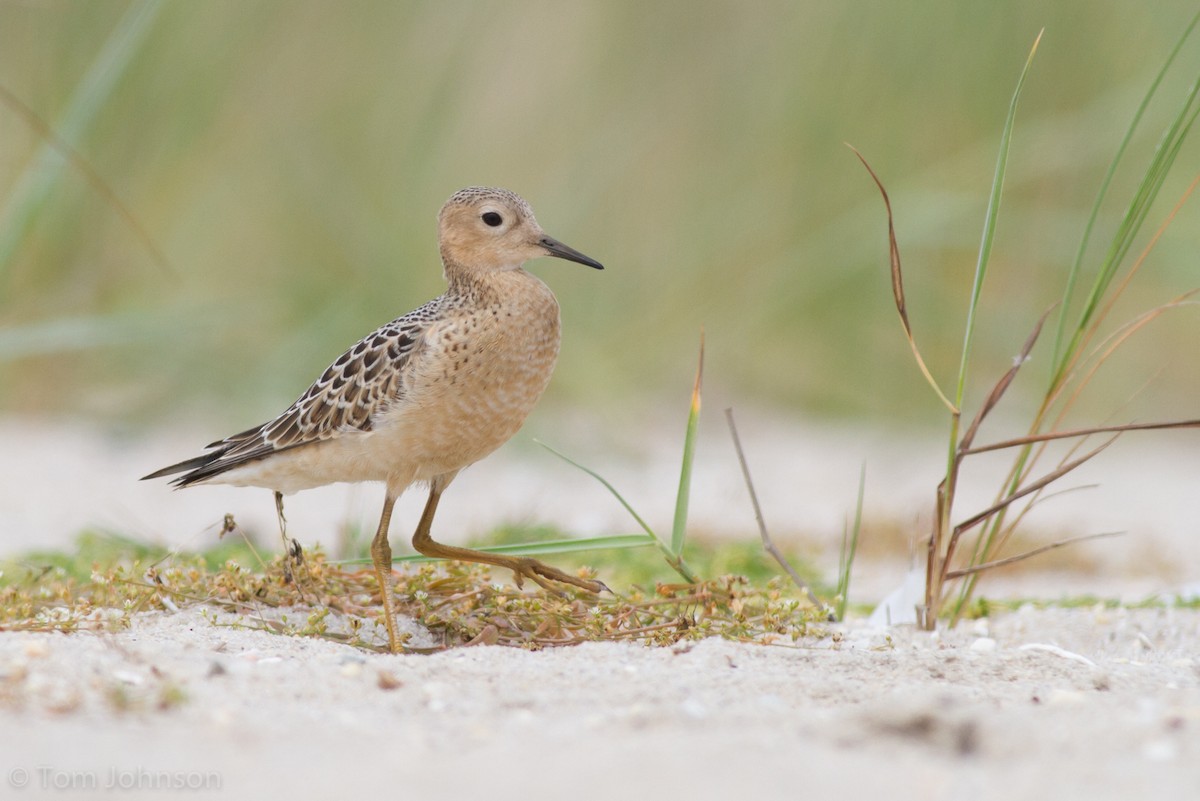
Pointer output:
x,y
381,556
521,566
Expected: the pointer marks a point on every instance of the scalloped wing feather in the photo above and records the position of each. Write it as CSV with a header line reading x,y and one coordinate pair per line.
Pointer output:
x,y
350,395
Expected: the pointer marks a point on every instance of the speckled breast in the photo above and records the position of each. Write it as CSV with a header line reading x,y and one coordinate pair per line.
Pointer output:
x,y
480,375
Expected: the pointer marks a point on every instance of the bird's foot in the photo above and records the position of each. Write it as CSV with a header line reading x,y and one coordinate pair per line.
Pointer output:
x,y
525,567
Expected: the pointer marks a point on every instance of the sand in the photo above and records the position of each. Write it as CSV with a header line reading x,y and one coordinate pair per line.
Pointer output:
x,y
1063,704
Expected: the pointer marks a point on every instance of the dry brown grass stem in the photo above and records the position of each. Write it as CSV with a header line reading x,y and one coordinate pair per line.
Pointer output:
x,y
898,287
768,543
1009,560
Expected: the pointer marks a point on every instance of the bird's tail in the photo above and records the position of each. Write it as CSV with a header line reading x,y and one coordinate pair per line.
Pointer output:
x,y
182,467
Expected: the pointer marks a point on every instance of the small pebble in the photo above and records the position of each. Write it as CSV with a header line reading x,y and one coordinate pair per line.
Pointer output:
x,y
37,649
1163,750
1061,697
983,645
128,677
223,716
694,709
257,658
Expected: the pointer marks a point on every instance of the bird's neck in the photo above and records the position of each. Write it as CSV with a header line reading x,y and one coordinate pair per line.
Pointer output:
x,y
476,282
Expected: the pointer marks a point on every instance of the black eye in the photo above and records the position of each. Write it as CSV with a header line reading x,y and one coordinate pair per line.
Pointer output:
x,y
492,218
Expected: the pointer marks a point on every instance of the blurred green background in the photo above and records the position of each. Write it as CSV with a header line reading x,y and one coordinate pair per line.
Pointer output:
x,y
290,157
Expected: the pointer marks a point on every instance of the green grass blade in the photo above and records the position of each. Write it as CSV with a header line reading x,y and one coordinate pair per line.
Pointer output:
x,y
1131,223
942,528
679,525
1139,207
1077,265
29,195
850,548
989,225
673,559
645,526
545,547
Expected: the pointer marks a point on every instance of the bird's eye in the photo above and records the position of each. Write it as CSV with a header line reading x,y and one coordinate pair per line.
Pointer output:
x,y
491,218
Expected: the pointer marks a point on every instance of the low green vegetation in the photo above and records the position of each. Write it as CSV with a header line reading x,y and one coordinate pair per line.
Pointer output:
x,y
107,579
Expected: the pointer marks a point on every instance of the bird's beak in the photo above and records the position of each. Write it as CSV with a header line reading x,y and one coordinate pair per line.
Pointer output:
x,y
558,249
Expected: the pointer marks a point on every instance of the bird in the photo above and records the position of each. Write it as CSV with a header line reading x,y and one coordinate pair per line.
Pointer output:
x,y
419,399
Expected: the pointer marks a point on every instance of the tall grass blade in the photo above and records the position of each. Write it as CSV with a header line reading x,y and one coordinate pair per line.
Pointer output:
x,y
29,195
1077,265
1131,224
939,549
989,226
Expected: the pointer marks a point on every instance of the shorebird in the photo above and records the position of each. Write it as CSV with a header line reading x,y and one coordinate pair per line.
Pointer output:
x,y
426,395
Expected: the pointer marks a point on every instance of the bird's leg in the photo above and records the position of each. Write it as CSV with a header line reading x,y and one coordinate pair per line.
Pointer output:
x,y
381,555
521,566
291,547
287,550
292,552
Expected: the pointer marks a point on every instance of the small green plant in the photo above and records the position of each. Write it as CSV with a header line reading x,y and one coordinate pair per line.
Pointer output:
x,y
1073,366
849,550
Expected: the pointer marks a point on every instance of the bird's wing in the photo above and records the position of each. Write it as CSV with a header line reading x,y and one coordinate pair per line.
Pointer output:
x,y
350,395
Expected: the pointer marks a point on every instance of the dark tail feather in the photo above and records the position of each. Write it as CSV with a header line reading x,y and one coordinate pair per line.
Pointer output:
x,y
182,467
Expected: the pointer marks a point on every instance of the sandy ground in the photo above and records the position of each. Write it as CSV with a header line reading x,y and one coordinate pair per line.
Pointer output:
x,y
1033,704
